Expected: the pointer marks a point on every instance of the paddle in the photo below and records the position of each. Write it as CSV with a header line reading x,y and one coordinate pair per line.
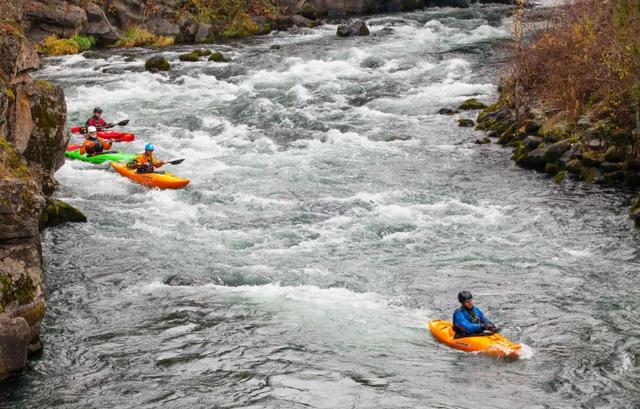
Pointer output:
x,y
121,123
175,161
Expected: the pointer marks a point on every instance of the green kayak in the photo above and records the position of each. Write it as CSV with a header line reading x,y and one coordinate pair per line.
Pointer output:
x,y
101,158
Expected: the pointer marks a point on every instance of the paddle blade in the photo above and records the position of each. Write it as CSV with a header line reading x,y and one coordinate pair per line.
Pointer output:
x,y
175,161
72,148
75,130
123,122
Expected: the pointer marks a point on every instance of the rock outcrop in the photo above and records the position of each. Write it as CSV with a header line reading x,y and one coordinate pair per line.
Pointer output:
x,y
32,143
182,20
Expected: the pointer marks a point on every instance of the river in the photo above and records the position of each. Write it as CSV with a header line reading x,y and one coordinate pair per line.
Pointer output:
x,y
331,213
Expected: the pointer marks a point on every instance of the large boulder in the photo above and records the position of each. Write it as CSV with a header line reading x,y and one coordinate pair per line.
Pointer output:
x,y
556,150
58,212
53,16
163,27
355,28
14,340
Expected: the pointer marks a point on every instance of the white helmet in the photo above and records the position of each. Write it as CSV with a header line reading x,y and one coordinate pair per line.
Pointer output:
x,y
92,129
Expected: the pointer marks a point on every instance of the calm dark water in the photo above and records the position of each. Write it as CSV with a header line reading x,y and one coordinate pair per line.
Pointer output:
x,y
331,214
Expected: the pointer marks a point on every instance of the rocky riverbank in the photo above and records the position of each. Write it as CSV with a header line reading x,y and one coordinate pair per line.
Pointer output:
x,y
543,140
569,105
32,142
198,21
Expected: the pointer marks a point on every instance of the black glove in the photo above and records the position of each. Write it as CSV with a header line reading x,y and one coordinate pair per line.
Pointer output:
x,y
484,326
492,328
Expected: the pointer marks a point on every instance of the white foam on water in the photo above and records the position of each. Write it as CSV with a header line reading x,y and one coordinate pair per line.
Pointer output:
x,y
330,299
526,352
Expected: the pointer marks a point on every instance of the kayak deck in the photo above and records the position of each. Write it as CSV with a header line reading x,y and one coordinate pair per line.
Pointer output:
x,y
494,345
100,158
160,180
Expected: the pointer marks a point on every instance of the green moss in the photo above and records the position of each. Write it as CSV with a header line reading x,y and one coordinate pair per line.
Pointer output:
x,y
520,151
157,63
193,56
472,103
84,42
6,292
218,57
591,175
24,290
592,158
44,86
551,169
560,176
10,93
58,212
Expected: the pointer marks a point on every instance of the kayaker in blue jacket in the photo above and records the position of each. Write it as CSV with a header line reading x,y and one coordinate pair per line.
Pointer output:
x,y
469,320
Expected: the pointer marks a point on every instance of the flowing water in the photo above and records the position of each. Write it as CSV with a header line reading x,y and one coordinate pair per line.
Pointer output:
x,y
331,213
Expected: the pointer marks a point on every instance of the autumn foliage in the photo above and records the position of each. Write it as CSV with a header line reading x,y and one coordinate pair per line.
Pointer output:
x,y
585,62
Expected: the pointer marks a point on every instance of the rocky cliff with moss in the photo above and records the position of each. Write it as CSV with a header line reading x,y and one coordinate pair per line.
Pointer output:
x,y
148,22
32,142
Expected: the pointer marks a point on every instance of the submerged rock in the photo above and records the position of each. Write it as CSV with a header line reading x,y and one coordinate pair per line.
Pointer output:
x,y
356,28
217,56
58,212
447,111
193,56
483,141
466,123
157,63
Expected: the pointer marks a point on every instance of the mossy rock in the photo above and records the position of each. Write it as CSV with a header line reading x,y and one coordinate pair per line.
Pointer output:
x,y
575,166
483,141
217,56
591,175
592,158
552,169
471,103
556,150
634,211
203,53
58,212
560,176
466,123
157,63
614,154
533,159
193,56
508,134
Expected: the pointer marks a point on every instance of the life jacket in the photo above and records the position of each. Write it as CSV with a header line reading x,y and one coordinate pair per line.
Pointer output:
x,y
93,146
144,164
97,122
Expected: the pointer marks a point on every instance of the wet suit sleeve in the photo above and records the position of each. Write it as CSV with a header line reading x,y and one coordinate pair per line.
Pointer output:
x,y
462,323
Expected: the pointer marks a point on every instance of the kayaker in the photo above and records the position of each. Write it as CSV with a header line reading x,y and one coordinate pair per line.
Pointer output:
x,y
97,120
146,162
93,145
468,320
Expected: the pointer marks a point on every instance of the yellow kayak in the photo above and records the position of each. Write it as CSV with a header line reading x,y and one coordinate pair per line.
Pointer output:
x,y
495,344
160,180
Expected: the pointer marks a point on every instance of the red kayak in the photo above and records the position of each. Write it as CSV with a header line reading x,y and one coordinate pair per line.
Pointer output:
x,y
116,136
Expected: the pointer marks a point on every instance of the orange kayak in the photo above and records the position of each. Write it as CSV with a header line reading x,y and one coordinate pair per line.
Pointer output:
x,y
160,180
494,345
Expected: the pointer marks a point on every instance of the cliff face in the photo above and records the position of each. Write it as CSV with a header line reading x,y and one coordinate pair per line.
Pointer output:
x,y
106,19
32,143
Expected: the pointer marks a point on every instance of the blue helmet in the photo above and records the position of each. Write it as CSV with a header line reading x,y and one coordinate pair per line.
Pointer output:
x,y
149,147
